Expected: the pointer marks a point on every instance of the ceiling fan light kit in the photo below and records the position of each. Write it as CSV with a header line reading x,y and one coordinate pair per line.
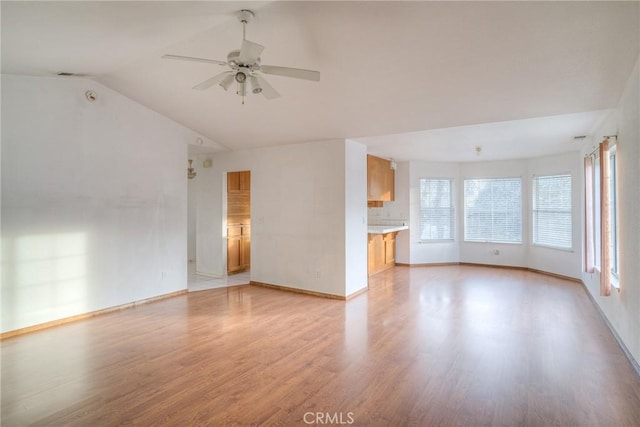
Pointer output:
x,y
245,65
241,77
255,85
226,82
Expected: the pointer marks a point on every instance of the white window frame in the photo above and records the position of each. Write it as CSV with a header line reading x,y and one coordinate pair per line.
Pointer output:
x,y
596,212
535,210
613,215
451,208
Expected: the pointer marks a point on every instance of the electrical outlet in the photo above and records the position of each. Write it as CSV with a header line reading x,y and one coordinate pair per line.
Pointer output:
x,y
317,274
496,252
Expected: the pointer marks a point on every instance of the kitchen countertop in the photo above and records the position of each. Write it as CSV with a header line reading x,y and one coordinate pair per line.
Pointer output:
x,y
383,229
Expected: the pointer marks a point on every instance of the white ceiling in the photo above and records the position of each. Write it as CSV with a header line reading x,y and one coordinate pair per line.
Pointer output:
x,y
435,79
515,139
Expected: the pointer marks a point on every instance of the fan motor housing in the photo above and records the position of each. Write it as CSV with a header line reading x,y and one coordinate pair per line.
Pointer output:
x,y
232,59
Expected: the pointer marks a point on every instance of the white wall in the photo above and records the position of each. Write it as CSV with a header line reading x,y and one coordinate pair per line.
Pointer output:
x,y
566,263
192,206
402,210
210,248
622,309
298,214
94,200
355,225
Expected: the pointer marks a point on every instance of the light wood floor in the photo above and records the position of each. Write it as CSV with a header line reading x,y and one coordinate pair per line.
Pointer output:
x,y
456,345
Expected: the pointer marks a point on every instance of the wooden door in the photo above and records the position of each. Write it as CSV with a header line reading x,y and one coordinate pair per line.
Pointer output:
x,y
375,253
234,248
381,252
238,221
245,247
389,249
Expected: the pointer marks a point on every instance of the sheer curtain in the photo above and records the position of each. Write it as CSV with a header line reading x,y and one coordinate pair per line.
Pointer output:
x,y
605,261
589,253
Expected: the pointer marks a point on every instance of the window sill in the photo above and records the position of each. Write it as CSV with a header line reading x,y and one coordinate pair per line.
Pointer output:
x,y
615,282
557,248
493,243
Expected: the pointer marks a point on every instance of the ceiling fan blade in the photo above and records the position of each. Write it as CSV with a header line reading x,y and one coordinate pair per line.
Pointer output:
x,y
213,80
249,52
191,58
267,90
296,73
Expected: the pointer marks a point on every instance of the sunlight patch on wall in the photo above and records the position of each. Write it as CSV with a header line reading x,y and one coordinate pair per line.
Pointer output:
x,y
44,278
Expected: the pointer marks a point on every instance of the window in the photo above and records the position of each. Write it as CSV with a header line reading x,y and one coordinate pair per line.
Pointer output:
x,y
493,210
436,209
596,213
552,211
613,212
602,241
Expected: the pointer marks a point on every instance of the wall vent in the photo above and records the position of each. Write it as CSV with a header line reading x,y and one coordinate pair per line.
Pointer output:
x,y
68,74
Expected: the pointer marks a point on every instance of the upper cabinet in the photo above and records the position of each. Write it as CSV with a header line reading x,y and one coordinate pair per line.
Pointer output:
x,y
380,180
239,182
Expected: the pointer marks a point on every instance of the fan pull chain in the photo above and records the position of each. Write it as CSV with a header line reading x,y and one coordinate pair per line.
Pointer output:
x,y
238,91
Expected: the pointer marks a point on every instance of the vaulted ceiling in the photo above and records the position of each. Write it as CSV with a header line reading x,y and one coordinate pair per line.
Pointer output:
x,y
409,79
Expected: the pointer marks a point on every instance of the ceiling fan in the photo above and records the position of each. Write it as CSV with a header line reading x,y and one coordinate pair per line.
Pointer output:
x,y
245,67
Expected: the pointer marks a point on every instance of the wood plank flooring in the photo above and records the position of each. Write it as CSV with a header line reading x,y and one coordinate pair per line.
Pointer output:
x,y
451,345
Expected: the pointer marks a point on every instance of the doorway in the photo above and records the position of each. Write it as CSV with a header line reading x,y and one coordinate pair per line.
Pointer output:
x,y
238,221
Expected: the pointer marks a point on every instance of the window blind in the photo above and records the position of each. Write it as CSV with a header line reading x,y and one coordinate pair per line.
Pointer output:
x,y
493,210
552,211
436,209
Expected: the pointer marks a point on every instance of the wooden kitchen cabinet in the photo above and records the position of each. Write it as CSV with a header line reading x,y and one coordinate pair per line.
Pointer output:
x,y
380,180
381,252
389,249
375,257
239,181
238,248
238,207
